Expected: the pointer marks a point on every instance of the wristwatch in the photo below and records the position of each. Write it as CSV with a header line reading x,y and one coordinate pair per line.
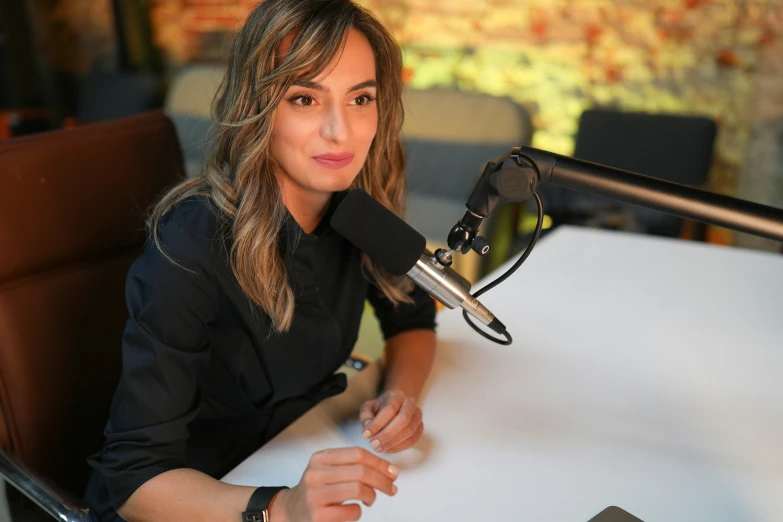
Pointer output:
x,y
257,509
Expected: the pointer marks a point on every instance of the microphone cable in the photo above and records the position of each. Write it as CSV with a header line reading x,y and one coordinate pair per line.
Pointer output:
x,y
508,272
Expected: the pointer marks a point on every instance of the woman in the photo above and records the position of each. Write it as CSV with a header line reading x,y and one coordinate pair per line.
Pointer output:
x,y
245,302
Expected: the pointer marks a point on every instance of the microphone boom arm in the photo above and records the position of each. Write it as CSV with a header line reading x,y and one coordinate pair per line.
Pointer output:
x,y
517,174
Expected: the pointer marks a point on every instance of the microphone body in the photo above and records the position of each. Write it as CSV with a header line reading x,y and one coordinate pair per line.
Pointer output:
x,y
450,288
396,246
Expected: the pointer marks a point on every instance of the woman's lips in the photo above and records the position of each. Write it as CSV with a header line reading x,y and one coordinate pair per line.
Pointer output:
x,y
334,161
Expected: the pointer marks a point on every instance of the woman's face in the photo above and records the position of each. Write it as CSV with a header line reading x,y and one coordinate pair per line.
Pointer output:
x,y
324,128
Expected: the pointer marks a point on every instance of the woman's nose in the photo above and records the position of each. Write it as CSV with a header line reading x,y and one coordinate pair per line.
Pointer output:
x,y
336,126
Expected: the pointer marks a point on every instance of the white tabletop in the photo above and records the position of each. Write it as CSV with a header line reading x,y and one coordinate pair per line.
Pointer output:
x,y
645,373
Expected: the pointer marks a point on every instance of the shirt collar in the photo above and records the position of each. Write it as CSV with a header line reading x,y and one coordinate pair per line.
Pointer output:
x,y
292,235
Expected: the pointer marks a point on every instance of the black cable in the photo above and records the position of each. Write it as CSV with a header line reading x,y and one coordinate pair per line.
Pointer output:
x,y
508,272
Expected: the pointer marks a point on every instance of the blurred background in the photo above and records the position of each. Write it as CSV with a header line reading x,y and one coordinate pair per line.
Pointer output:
x,y
686,90
481,76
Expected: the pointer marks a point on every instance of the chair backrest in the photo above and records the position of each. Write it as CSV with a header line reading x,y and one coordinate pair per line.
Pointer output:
x,y
671,147
72,206
449,135
188,104
111,95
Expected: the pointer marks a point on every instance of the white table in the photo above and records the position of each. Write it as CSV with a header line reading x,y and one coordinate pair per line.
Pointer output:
x,y
645,373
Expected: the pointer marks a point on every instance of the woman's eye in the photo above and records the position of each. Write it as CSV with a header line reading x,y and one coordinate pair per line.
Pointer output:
x,y
363,99
303,100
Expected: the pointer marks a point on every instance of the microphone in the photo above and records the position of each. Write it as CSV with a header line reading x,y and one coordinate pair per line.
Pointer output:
x,y
400,249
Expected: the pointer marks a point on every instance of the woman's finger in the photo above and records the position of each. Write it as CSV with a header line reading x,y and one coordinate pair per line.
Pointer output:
x,y
395,425
343,492
350,456
407,443
358,473
405,433
346,512
368,411
385,414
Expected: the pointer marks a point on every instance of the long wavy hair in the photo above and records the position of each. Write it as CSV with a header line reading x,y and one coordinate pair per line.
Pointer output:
x,y
239,175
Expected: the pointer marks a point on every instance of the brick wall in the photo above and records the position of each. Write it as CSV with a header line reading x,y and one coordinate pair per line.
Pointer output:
x,y
197,30
762,176
720,58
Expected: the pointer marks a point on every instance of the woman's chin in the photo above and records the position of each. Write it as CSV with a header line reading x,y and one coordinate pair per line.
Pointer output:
x,y
338,183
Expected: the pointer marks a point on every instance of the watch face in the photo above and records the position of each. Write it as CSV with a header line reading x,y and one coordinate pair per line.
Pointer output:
x,y
614,514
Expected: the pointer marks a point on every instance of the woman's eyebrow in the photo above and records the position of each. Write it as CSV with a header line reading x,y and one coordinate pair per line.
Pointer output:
x,y
365,84
318,87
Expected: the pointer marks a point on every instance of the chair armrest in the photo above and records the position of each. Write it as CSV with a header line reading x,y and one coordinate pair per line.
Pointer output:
x,y
59,504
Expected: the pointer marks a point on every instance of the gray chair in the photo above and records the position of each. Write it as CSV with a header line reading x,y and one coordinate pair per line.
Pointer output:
x,y
449,136
188,104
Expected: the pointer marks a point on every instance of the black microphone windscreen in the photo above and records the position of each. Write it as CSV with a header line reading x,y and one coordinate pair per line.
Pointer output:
x,y
377,231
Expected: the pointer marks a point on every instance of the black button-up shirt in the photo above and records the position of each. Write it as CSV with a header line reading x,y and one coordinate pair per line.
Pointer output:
x,y
205,380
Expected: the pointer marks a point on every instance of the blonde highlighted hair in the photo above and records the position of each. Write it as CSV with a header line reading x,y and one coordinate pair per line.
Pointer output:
x,y
239,175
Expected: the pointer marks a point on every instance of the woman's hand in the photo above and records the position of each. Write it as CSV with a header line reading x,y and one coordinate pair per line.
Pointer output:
x,y
332,477
393,421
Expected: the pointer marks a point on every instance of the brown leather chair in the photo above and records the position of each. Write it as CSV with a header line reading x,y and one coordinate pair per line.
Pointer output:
x,y
72,208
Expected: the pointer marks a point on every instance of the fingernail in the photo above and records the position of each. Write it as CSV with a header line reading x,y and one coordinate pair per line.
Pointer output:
x,y
394,489
365,423
375,444
366,434
393,471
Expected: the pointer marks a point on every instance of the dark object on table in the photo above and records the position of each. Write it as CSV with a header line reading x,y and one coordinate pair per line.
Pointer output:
x,y
614,514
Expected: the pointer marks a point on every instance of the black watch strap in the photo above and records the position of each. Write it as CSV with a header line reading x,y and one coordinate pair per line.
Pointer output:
x,y
257,509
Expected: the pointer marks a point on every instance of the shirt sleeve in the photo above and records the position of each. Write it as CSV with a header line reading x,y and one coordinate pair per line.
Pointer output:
x,y
165,351
406,316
